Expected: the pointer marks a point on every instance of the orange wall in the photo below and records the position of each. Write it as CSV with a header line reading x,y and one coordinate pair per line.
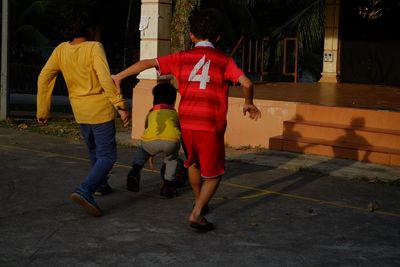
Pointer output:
x,y
241,131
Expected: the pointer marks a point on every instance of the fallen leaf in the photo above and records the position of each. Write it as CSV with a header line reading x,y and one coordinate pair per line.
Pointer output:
x,y
372,206
22,126
373,180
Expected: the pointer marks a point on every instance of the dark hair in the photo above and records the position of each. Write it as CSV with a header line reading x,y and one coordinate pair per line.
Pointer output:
x,y
80,22
164,93
206,24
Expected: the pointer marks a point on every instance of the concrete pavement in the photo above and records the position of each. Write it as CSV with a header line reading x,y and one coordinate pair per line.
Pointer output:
x,y
272,209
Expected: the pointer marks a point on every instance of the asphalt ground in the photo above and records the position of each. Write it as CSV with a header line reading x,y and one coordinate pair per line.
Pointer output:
x,y
264,215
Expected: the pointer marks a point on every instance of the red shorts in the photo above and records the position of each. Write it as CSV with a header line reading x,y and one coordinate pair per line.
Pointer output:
x,y
206,150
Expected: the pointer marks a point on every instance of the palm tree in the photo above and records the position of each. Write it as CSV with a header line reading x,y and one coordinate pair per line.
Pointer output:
x,y
306,24
273,19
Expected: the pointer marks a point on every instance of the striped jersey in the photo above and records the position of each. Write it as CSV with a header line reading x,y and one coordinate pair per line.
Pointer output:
x,y
203,76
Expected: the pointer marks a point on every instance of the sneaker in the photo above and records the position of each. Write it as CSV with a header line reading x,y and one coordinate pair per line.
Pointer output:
x,y
168,189
103,190
133,182
86,201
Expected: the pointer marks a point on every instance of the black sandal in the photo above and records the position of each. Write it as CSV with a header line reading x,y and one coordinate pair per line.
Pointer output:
x,y
208,226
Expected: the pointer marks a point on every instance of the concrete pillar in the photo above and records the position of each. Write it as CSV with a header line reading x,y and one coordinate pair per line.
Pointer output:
x,y
331,57
155,41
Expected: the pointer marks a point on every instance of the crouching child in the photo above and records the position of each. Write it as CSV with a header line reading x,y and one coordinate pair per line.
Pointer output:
x,y
162,134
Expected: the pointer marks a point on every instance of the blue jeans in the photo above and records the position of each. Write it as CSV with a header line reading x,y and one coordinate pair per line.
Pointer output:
x,y
100,141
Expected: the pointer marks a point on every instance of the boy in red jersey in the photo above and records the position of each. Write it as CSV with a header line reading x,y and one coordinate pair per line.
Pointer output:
x,y
203,74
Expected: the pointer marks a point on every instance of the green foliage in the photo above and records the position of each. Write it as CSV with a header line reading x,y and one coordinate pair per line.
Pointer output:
x,y
274,19
307,25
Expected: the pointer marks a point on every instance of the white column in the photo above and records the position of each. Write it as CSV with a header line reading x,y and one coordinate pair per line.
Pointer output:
x,y
155,37
331,57
155,41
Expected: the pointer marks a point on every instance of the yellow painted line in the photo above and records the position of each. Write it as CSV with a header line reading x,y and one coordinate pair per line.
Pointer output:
x,y
69,157
44,152
261,192
309,199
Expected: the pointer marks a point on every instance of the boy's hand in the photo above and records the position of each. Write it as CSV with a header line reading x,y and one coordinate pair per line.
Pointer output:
x,y
253,111
117,80
125,117
42,120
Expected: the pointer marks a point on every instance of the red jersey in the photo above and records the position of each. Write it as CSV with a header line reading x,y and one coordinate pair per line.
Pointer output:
x,y
203,76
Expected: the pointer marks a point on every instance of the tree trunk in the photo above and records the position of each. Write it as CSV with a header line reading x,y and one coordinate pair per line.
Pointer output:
x,y
180,24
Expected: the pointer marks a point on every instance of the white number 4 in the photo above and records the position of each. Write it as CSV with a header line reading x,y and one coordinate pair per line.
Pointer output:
x,y
203,78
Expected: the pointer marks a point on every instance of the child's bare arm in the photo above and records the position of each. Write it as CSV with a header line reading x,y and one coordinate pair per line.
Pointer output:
x,y
247,87
133,69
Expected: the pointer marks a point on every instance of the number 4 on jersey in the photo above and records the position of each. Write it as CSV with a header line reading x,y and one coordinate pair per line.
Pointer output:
x,y
203,78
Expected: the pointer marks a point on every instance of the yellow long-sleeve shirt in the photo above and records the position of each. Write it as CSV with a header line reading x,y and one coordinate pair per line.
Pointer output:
x,y
92,93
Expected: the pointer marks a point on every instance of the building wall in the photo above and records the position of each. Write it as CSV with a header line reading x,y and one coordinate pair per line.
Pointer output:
x,y
241,130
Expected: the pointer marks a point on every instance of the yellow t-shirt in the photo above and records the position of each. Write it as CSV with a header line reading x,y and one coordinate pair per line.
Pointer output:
x,y
162,124
92,93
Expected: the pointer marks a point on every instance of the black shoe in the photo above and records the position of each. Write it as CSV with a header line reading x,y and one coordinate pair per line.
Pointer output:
x,y
206,227
103,190
168,189
181,174
133,182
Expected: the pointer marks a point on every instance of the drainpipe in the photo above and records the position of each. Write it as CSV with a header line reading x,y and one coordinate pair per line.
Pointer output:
x,y
4,62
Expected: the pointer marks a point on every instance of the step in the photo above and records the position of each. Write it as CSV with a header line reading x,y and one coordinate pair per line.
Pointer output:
x,y
349,116
340,133
366,153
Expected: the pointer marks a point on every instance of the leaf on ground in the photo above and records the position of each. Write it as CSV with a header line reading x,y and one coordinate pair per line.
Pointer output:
x,y
373,180
372,206
22,126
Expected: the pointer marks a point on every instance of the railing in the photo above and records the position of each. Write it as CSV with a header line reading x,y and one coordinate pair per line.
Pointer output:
x,y
252,56
290,55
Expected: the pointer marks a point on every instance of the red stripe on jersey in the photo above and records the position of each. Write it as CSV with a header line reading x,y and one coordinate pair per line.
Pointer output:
x,y
203,76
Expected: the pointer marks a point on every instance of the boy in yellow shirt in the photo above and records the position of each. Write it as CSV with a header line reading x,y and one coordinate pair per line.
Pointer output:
x,y
93,97
162,134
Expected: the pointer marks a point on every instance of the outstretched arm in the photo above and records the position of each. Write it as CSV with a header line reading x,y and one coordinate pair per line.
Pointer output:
x,y
46,82
133,69
247,87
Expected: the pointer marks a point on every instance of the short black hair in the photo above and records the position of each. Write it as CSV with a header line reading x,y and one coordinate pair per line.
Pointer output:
x,y
80,22
164,93
206,24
